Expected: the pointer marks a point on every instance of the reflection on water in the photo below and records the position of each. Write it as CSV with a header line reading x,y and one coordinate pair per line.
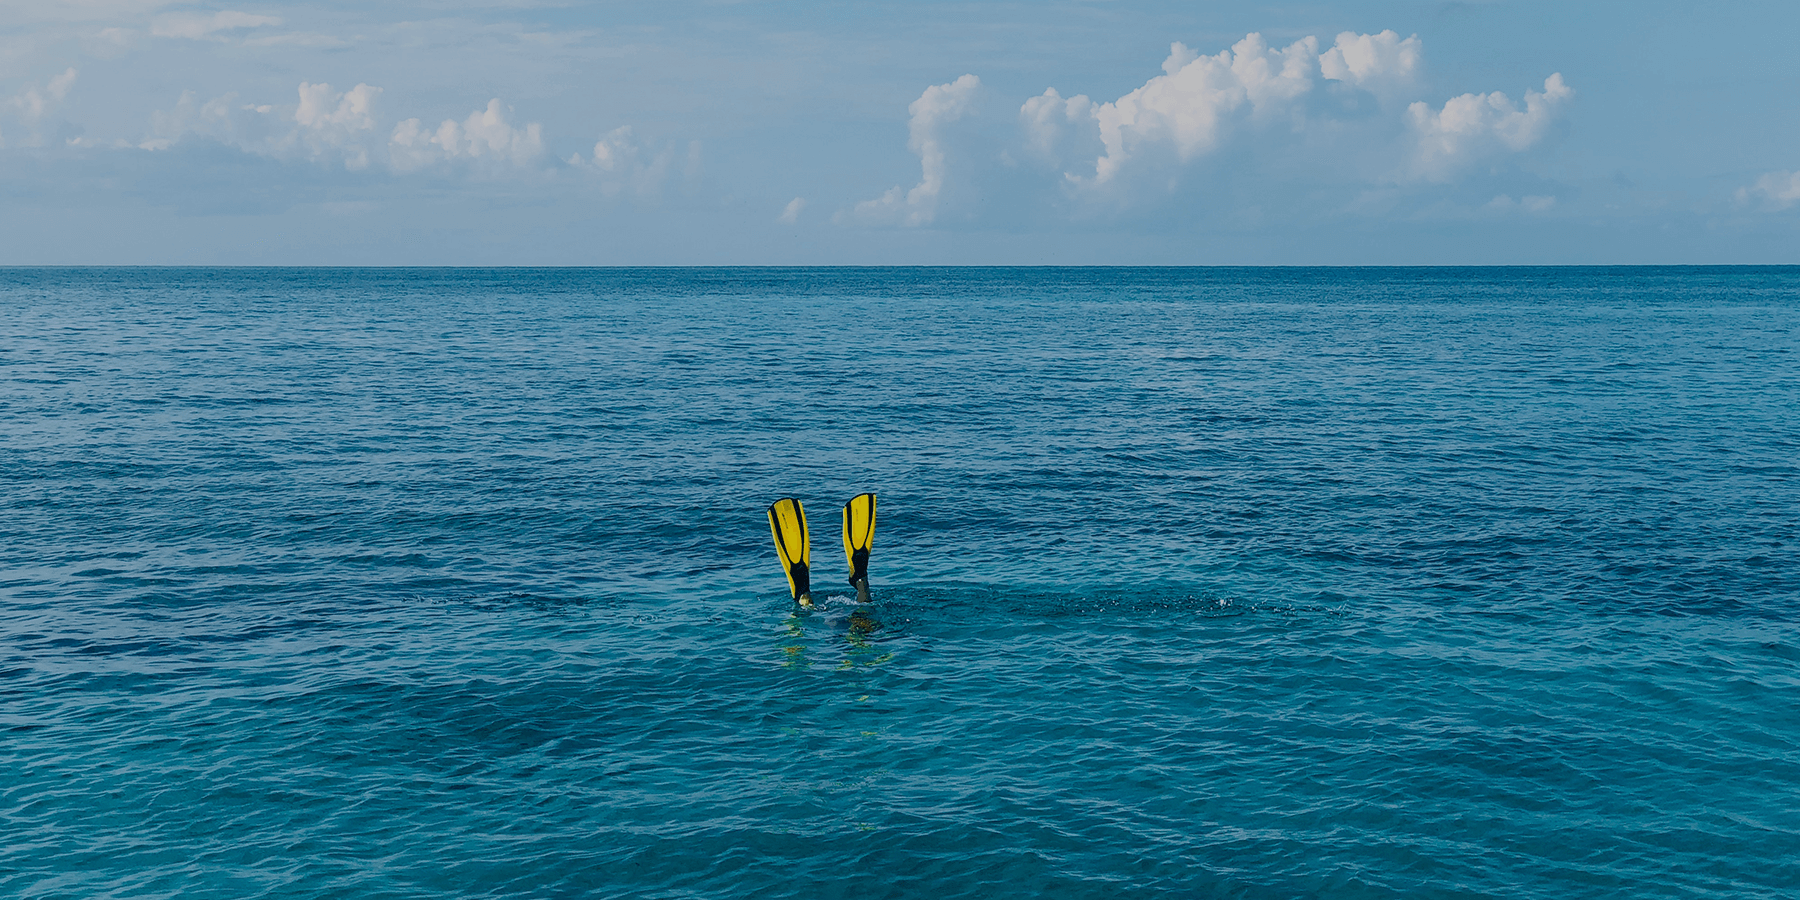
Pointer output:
x,y
828,633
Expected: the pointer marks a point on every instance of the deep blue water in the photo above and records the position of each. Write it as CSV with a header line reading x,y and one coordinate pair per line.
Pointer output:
x,y
1188,583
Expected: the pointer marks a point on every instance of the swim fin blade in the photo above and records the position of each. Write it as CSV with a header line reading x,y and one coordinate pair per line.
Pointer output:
x,y
787,522
859,533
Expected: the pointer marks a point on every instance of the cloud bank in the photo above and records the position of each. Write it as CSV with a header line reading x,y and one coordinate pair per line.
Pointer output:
x,y
345,128
1215,124
485,136
1254,132
348,130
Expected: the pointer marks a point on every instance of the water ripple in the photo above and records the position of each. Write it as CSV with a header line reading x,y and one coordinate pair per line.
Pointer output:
x,y
1234,583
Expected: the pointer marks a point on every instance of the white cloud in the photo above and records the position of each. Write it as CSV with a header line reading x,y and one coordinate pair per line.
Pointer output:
x,y
1190,104
618,151
33,101
1048,119
335,123
213,119
624,164
32,104
1375,62
1473,127
1337,121
1237,130
59,86
193,26
330,126
324,126
485,136
938,106
1776,190
321,110
1200,102
791,213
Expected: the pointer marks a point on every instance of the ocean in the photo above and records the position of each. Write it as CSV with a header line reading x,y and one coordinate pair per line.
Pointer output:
x,y
1259,583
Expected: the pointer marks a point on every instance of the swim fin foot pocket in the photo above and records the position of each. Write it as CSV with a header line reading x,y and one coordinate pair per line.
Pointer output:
x,y
859,534
787,522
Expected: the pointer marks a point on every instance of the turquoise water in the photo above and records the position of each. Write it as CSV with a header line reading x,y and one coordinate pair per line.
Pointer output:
x,y
1188,583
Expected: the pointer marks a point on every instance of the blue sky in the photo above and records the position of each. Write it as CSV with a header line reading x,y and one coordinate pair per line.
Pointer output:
x,y
1068,131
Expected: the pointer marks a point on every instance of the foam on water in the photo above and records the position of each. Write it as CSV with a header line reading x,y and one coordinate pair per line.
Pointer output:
x,y
1258,583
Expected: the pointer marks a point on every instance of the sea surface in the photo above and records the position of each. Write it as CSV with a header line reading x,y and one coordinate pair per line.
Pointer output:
x,y
1259,583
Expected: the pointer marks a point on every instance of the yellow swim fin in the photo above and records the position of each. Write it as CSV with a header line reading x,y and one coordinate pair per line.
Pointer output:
x,y
787,522
859,533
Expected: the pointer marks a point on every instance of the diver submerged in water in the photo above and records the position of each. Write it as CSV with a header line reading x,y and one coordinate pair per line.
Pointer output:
x,y
787,521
